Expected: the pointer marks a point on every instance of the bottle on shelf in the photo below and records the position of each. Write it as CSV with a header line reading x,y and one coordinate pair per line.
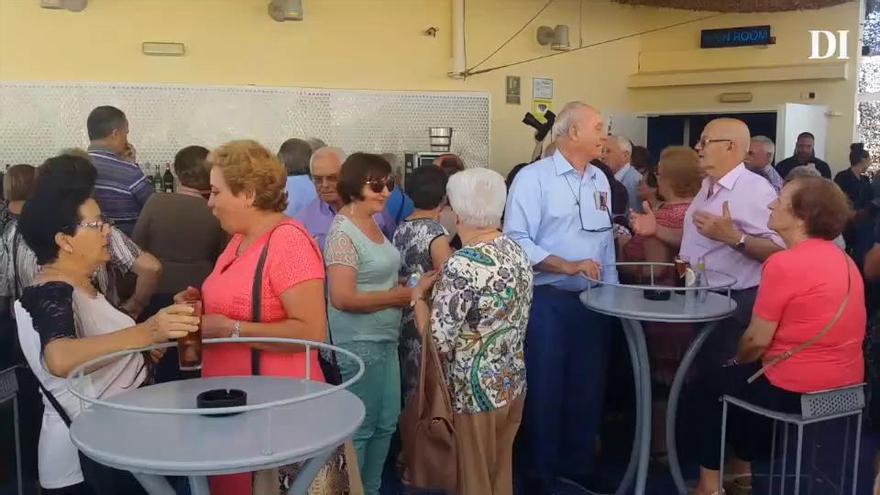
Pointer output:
x,y
157,180
145,168
168,179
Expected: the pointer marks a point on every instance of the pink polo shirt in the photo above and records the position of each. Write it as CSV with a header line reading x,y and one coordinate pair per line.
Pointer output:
x,y
748,196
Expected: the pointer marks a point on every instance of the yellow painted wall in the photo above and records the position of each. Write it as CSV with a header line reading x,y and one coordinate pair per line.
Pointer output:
x,y
378,44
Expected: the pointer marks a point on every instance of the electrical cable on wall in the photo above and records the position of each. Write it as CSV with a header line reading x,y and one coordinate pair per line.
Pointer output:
x,y
471,72
468,71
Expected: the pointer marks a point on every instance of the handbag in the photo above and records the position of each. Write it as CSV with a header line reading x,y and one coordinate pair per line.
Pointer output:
x,y
339,476
427,433
807,343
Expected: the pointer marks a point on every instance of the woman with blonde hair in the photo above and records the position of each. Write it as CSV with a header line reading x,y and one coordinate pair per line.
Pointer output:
x,y
678,181
248,198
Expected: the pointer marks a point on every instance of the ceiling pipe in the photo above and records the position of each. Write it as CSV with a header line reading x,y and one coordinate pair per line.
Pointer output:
x,y
458,50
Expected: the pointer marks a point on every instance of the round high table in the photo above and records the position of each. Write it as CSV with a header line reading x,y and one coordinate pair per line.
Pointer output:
x,y
157,431
706,304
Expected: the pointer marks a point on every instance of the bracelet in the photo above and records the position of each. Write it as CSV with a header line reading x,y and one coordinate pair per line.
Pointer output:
x,y
236,329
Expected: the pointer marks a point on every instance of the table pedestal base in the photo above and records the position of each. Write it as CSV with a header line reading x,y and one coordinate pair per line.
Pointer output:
x,y
637,470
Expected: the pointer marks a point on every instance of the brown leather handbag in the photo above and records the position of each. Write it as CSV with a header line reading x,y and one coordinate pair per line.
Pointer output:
x,y
427,434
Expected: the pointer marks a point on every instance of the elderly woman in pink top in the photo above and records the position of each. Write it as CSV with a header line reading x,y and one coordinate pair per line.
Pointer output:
x,y
811,304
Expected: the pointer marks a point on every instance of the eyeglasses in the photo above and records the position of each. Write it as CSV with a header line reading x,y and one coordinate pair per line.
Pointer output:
x,y
600,229
377,185
103,225
603,203
705,141
322,179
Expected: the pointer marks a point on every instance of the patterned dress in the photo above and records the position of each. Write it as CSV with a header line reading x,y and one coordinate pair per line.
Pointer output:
x,y
413,239
480,311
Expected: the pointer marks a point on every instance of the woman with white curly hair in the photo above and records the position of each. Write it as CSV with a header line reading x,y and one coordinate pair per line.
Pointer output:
x,y
478,318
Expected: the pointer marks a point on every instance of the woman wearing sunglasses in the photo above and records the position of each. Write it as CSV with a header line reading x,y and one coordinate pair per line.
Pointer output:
x,y
365,305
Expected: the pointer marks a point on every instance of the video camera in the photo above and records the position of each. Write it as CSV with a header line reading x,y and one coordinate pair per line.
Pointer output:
x,y
541,128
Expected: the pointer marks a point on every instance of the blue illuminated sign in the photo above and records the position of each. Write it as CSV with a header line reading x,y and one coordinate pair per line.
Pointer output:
x,y
739,36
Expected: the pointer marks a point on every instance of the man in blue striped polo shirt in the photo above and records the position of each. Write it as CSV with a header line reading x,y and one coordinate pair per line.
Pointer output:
x,y
122,188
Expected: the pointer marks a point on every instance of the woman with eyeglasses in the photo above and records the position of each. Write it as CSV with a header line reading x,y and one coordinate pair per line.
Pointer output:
x,y
365,305
65,321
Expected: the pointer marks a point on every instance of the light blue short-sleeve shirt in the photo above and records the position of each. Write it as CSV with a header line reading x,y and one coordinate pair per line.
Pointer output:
x,y
553,210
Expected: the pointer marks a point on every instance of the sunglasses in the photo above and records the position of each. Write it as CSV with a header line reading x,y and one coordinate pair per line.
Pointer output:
x,y
377,185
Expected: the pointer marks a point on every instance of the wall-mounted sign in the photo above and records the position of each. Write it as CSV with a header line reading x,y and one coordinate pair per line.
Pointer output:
x,y
542,88
540,107
738,36
513,90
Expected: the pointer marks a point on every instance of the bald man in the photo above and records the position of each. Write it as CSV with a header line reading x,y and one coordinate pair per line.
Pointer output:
x,y
725,225
559,211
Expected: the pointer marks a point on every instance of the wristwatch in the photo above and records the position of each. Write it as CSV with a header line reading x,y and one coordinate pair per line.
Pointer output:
x,y
741,245
236,330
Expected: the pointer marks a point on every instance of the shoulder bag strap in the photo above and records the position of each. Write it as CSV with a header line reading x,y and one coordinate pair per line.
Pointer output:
x,y
257,296
798,348
52,400
256,302
430,358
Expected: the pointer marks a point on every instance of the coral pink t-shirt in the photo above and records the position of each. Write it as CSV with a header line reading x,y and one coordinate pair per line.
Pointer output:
x,y
293,258
801,289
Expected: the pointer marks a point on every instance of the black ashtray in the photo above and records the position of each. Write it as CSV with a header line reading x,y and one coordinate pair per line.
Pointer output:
x,y
221,397
657,294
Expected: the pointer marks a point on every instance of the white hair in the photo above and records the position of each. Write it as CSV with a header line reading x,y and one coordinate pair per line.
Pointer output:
x,y
565,120
324,152
801,172
477,195
768,143
624,143
315,143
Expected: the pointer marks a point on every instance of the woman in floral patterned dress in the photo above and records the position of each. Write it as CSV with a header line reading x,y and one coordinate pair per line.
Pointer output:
x,y
481,305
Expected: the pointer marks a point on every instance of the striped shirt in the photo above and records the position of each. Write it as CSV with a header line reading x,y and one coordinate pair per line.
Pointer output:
x,y
121,190
18,263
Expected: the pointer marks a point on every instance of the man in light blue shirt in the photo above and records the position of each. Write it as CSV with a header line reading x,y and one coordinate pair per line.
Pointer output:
x,y
559,211
295,155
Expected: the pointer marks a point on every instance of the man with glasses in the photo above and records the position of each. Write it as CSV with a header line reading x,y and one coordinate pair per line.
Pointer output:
x,y
726,226
559,211
325,165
